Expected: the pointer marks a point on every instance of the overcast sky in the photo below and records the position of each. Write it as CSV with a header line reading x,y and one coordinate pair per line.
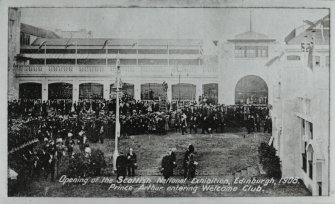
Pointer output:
x,y
200,23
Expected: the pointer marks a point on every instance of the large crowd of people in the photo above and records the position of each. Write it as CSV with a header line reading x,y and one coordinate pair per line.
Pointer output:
x,y
60,124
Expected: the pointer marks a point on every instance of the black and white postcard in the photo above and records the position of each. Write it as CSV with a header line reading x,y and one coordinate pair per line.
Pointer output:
x,y
161,100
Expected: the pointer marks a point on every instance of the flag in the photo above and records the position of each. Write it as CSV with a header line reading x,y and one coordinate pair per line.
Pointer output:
x,y
105,44
271,61
290,36
310,23
310,56
68,44
41,45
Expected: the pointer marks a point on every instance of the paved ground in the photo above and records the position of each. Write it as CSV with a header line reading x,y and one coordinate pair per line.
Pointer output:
x,y
218,155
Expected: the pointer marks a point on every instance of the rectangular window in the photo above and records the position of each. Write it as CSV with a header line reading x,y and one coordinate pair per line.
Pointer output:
x,y
251,52
293,58
184,62
61,51
90,51
152,61
183,51
122,51
91,61
304,162
152,51
60,61
304,158
262,51
310,164
239,51
311,130
128,61
37,61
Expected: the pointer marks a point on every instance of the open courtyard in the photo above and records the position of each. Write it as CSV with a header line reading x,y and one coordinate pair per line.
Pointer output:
x,y
223,156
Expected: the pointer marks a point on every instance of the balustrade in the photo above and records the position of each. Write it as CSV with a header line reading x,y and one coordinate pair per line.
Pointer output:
x,y
110,70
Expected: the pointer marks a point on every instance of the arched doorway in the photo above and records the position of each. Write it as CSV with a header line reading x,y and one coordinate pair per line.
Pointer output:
x,y
127,88
151,91
183,92
30,91
251,90
210,92
60,91
91,91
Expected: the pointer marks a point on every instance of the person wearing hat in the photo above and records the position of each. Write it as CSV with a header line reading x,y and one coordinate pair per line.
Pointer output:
x,y
183,124
121,167
131,162
168,164
69,143
186,164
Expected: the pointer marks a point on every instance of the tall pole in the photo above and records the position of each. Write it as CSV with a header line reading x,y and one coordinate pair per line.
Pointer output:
x,y
117,115
179,89
45,54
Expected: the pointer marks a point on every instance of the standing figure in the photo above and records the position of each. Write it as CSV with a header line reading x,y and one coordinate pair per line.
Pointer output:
x,y
131,162
183,124
121,167
188,152
168,164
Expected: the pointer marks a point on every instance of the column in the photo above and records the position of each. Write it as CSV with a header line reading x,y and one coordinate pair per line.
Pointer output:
x,y
137,90
106,90
75,90
44,89
198,91
169,92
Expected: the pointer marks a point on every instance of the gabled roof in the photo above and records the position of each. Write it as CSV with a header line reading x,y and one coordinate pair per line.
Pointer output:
x,y
321,33
38,32
320,37
117,42
251,36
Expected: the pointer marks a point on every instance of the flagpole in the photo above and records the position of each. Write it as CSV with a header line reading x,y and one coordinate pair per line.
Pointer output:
x,y
107,53
76,53
117,115
45,54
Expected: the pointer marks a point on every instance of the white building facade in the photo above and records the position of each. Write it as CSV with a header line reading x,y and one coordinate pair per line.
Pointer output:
x,y
301,111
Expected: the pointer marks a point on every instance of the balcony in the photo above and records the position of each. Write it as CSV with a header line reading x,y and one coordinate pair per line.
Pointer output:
x,y
102,70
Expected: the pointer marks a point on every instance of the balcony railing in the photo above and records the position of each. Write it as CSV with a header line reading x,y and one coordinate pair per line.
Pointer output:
x,y
101,70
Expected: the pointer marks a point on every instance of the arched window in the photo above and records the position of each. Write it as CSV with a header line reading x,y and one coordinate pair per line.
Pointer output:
x,y
126,88
210,91
251,89
60,91
91,91
183,92
151,91
310,154
30,91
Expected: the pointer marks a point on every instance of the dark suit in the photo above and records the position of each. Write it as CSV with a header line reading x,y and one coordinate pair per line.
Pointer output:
x,y
131,163
167,166
121,166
